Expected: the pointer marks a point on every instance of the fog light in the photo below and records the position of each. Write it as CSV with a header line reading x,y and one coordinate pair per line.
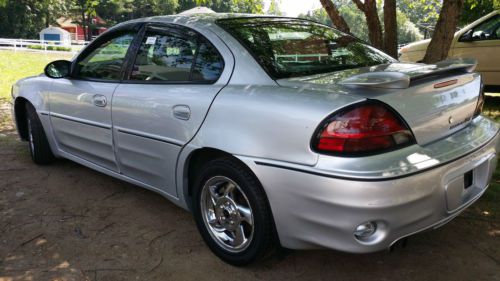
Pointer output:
x,y
365,230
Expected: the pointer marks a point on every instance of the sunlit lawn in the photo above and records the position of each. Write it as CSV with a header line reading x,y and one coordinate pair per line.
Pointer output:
x,y
17,65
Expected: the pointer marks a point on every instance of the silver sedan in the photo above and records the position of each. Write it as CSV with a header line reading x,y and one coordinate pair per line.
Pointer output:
x,y
272,131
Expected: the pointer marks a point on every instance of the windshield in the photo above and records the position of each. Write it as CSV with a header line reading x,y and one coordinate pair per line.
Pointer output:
x,y
287,47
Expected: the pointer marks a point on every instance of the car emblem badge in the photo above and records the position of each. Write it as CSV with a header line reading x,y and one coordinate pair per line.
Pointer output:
x,y
450,120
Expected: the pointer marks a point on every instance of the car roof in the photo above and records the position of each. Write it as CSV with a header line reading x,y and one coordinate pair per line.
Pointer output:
x,y
203,18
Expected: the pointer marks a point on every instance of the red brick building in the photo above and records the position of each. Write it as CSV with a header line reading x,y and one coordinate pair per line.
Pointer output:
x,y
77,31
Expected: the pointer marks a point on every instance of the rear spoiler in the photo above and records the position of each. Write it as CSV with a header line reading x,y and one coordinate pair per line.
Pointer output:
x,y
403,80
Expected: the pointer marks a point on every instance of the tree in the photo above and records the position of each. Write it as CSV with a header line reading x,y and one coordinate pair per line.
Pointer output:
x,y
52,9
274,8
25,18
423,13
114,11
225,6
369,8
407,31
334,14
443,33
390,27
86,9
355,19
474,9
147,8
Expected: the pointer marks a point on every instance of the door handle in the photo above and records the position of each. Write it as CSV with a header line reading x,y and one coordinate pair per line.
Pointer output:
x,y
99,100
182,112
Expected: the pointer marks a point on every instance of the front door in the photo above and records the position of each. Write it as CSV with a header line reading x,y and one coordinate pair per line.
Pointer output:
x,y
483,44
171,84
80,106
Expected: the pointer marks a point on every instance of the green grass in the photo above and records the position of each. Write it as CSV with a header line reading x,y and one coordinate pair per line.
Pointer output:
x,y
17,65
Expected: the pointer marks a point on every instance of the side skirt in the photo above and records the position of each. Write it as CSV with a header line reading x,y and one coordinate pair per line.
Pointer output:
x,y
124,178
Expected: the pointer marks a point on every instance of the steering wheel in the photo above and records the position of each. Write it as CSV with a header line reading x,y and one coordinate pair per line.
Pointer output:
x,y
479,35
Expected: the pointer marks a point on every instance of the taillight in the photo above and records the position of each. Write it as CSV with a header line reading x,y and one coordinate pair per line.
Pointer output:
x,y
364,128
480,102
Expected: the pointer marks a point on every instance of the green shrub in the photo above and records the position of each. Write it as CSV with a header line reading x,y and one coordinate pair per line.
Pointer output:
x,y
35,47
50,48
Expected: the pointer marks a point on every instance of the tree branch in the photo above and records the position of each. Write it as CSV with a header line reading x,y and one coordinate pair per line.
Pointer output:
x,y
360,5
334,14
369,8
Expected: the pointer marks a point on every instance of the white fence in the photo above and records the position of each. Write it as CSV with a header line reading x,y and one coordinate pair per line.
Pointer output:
x,y
44,46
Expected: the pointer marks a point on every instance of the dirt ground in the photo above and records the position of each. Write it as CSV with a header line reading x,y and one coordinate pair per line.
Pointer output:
x,y
67,222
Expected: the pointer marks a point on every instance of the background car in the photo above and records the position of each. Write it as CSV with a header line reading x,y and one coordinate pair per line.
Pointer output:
x,y
479,40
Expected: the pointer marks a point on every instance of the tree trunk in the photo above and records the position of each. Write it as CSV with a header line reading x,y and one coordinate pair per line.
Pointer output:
x,y
89,28
391,28
47,19
369,8
444,32
337,20
84,25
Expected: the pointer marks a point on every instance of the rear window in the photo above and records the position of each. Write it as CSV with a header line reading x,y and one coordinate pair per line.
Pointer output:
x,y
292,47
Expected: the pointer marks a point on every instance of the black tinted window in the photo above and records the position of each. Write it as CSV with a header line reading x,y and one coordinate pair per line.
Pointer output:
x,y
489,30
172,57
293,47
164,58
209,64
106,61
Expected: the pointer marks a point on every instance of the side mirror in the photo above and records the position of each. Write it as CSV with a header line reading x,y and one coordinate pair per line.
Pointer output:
x,y
467,36
58,69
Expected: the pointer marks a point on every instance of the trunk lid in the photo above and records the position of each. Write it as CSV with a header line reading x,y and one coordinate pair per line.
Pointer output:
x,y
435,100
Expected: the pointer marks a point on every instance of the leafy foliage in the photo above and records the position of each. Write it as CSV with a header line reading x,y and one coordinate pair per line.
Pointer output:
x,y
274,8
407,31
225,6
421,12
475,9
25,18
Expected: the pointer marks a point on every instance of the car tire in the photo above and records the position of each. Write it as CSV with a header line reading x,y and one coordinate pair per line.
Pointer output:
x,y
39,146
229,202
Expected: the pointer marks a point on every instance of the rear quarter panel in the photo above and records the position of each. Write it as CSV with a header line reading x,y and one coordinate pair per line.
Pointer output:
x,y
270,122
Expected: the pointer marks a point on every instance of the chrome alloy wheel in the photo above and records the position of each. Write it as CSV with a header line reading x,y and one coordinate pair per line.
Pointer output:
x,y
227,214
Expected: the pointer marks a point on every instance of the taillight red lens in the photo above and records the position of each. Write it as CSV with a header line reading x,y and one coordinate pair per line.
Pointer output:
x,y
365,128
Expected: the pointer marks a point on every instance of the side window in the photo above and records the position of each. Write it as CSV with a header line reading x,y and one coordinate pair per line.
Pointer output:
x,y
209,64
488,30
105,62
164,58
171,57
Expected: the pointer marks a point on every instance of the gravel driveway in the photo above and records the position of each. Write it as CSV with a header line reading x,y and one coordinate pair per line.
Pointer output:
x,y
67,222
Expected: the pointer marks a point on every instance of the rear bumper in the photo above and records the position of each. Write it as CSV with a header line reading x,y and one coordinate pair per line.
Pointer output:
x,y
313,209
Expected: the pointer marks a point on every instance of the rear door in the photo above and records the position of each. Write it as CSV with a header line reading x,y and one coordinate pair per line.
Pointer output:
x,y
484,46
171,84
80,106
